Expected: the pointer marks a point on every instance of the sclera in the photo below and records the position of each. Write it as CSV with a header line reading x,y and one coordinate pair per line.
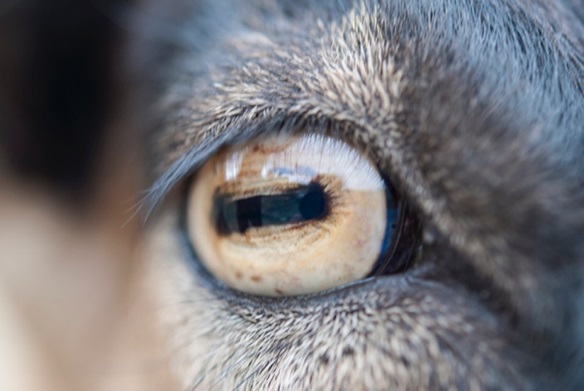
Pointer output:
x,y
299,258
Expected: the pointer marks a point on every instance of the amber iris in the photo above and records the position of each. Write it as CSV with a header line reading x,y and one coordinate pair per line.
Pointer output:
x,y
290,215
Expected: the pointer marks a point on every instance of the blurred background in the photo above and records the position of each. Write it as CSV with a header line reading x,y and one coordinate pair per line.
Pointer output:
x,y
75,313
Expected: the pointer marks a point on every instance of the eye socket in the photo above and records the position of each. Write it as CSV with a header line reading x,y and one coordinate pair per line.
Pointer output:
x,y
295,215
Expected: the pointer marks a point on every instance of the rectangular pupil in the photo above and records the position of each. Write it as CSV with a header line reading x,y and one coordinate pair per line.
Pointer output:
x,y
249,213
264,210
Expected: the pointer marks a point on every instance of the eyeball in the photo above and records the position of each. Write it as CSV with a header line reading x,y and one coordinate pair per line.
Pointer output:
x,y
290,215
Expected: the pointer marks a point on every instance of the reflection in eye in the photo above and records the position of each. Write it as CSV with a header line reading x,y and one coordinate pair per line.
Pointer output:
x,y
290,215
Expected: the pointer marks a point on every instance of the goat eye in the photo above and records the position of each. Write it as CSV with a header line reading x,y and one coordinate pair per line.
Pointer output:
x,y
291,215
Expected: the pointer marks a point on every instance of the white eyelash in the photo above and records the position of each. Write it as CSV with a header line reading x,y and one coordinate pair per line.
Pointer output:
x,y
341,162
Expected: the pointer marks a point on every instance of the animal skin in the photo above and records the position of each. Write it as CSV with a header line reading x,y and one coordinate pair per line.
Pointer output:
x,y
473,111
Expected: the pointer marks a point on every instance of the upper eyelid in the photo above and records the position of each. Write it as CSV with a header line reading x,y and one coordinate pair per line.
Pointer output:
x,y
241,130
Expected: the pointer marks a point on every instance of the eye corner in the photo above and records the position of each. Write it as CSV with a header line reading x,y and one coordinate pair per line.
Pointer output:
x,y
403,250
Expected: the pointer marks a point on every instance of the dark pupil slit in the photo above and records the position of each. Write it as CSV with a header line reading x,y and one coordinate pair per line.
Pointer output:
x,y
303,203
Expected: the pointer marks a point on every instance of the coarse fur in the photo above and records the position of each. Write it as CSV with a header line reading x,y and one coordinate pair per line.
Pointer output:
x,y
473,110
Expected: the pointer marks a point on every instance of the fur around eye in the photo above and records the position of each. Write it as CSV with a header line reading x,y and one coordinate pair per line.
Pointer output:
x,y
291,215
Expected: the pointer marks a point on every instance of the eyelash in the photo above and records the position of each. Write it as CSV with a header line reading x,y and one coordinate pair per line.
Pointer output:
x,y
236,133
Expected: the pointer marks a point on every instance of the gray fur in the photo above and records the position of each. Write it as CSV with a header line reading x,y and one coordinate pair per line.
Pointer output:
x,y
475,111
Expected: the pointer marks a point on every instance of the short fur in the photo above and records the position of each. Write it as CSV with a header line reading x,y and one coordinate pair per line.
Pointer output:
x,y
474,111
